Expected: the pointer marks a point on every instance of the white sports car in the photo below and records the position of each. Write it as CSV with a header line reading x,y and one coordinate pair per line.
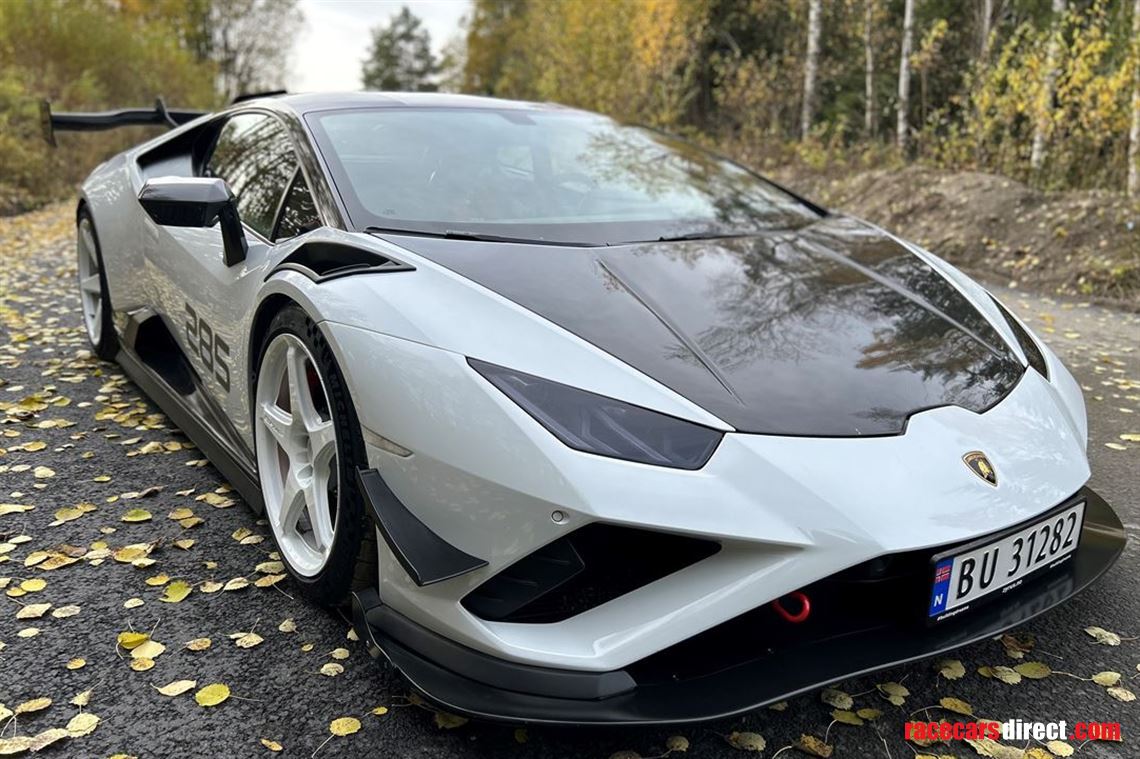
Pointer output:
x,y
589,424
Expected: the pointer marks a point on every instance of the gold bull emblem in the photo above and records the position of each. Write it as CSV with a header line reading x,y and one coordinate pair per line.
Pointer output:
x,y
981,466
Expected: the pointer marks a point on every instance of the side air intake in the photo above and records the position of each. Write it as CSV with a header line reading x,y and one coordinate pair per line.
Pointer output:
x,y
321,261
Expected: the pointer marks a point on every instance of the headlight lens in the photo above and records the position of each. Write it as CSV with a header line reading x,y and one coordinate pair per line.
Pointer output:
x,y
596,424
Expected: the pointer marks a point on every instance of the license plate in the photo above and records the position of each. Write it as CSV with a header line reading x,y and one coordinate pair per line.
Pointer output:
x,y
975,571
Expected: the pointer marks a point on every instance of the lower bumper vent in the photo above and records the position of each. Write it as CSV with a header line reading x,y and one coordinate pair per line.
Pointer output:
x,y
590,566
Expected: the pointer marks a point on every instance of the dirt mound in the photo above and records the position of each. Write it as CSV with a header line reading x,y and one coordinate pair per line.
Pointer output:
x,y
1077,243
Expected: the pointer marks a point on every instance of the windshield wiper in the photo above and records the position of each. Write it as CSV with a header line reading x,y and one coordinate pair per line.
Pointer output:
x,y
707,235
460,234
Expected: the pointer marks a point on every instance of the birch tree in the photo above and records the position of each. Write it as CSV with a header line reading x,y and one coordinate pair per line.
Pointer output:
x,y
811,67
868,69
902,131
1044,116
985,28
1134,133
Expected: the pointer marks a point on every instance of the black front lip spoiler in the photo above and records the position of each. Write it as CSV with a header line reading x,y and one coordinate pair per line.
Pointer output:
x,y
491,688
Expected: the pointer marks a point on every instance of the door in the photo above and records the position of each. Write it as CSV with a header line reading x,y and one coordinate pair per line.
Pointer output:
x,y
207,303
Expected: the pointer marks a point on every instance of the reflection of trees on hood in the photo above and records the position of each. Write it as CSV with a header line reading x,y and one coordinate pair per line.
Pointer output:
x,y
784,298
963,351
766,294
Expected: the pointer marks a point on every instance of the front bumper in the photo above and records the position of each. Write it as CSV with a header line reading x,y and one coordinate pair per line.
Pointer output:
x,y
673,686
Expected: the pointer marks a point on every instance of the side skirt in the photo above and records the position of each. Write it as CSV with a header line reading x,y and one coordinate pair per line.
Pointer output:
x,y
189,408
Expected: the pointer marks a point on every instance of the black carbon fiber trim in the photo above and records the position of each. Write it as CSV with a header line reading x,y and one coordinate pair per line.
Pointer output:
x,y
425,556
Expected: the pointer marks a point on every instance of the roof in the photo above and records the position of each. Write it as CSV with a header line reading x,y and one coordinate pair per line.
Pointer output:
x,y
324,101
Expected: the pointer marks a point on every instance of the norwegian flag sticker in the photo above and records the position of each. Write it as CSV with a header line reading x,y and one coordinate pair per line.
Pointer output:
x,y
941,592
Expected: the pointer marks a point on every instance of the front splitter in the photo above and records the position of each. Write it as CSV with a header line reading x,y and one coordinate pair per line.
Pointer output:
x,y
471,683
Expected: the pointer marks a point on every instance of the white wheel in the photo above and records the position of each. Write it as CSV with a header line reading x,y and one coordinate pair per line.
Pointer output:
x,y
90,283
297,454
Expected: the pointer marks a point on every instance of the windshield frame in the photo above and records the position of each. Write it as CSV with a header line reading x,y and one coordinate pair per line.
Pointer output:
x,y
590,233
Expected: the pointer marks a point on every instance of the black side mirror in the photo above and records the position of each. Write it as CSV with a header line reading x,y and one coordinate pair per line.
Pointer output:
x,y
196,202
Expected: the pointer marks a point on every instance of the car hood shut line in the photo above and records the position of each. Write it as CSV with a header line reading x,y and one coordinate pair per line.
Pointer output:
x,y
611,268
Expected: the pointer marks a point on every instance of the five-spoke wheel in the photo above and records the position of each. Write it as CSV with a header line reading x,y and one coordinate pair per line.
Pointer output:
x,y
309,446
94,301
297,453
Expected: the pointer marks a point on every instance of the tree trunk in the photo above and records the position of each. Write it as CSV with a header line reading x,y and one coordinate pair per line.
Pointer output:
x,y
902,131
1134,133
869,70
811,67
922,97
985,27
1049,92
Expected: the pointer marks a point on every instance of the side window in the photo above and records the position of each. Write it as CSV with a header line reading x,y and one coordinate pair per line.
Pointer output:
x,y
298,212
253,154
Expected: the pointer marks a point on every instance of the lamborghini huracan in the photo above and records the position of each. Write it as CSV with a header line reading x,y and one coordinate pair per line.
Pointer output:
x,y
587,424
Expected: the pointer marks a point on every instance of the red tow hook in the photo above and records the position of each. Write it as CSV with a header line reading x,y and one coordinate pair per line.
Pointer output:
x,y
801,615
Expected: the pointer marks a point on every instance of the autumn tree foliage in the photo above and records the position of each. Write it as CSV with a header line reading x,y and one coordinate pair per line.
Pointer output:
x,y
1041,90
1047,91
246,41
100,54
635,58
1063,90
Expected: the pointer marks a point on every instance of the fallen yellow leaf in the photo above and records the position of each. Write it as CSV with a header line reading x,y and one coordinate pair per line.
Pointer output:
x,y
212,694
34,705
344,726
176,592
177,688
149,649
141,664
82,724
130,639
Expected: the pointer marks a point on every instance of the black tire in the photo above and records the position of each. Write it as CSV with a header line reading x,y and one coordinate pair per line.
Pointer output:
x,y
352,561
108,345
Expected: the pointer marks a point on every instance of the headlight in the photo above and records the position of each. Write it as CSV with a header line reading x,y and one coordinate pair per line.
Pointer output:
x,y
596,424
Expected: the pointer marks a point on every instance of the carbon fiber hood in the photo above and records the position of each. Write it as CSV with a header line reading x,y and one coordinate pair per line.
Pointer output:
x,y
830,330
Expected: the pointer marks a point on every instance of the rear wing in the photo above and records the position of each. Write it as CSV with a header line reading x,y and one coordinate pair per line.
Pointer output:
x,y
160,115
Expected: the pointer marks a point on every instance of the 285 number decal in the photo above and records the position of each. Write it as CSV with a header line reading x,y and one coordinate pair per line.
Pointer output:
x,y
210,349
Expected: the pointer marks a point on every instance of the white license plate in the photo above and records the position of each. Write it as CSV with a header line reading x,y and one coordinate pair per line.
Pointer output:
x,y
1002,565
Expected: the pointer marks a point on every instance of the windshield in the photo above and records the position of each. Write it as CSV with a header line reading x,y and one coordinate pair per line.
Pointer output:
x,y
551,176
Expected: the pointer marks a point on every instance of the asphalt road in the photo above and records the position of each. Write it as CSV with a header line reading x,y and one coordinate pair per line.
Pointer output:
x,y
278,691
